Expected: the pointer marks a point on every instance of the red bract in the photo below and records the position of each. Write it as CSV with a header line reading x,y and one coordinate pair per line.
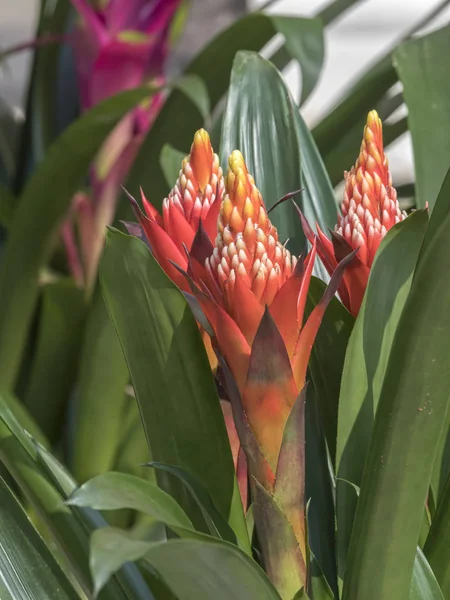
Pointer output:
x,y
194,200
369,209
253,293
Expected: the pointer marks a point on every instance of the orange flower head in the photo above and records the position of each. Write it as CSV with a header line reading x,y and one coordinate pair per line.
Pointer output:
x,y
199,184
247,252
195,198
370,206
369,209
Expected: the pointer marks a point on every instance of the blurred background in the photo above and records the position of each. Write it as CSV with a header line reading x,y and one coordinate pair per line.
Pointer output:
x,y
352,43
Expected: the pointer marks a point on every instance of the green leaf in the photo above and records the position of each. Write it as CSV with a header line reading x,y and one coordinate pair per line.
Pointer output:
x,y
259,105
317,200
283,559
102,377
219,570
112,548
411,413
427,95
171,376
319,494
54,363
28,568
45,484
319,584
423,584
171,160
179,118
366,361
10,406
217,525
40,210
438,542
187,566
304,42
327,359
7,206
113,491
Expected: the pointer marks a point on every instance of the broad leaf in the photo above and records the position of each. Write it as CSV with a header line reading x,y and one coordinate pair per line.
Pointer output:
x,y
27,566
171,375
192,569
426,88
199,571
411,412
366,361
259,121
113,491
179,118
423,584
217,525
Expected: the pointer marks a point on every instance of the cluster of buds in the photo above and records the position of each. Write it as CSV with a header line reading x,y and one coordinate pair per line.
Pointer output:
x,y
369,209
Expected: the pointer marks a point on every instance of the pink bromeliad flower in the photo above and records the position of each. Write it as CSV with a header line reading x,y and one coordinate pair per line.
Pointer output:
x,y
118,45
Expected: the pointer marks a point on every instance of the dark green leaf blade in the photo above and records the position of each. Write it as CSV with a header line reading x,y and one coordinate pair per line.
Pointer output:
x,y
171,375
366,361
27,566
427,95
410,416
179,118
259,121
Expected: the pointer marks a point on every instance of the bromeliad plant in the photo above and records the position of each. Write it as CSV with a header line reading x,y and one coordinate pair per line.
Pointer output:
x,y
294,431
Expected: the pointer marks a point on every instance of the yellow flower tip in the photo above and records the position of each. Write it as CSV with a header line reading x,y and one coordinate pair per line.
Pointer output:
x,y
373,131
202,158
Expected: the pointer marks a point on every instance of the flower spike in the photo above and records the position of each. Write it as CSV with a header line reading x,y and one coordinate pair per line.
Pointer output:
x,y
369,209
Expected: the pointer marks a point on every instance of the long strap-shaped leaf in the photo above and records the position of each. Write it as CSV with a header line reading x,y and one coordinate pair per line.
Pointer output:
x,y
411,412
171,375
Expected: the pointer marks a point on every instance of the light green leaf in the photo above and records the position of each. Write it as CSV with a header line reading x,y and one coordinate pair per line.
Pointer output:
x,y
113,491
438,542
423,584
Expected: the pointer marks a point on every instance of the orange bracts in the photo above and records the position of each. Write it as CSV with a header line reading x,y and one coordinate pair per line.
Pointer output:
x,y
253,293
369,209
195,199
